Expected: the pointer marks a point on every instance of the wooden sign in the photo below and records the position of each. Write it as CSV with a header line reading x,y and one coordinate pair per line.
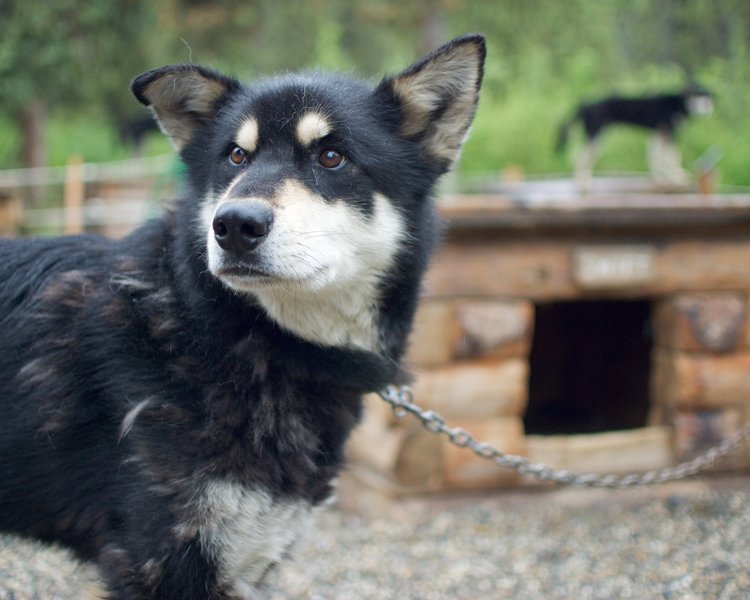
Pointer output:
x,y
597,267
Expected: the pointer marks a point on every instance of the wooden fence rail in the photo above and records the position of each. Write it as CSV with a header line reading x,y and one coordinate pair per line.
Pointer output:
x,y
122,170
112,197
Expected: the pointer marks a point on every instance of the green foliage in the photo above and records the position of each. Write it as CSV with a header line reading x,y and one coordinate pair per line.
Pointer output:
x,y
68,51
266,36
91,136
9,142
543,59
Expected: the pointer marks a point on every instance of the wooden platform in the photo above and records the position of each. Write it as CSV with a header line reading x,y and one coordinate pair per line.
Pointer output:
x,y
613,203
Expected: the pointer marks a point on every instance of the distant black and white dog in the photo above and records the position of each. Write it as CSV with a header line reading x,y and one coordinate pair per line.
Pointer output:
x,y
661,114
174,405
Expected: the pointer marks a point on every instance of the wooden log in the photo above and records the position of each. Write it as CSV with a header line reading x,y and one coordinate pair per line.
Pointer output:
x,y
704,265
541,270
476,389
702,322
494,328
434,334
416,460
698,430
410,458
465,470
449,330
419,464
377,411
704,381
609,452
659,387
490,269
376,445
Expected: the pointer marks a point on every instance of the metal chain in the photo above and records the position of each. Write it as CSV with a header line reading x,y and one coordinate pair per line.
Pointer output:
x,y
401,401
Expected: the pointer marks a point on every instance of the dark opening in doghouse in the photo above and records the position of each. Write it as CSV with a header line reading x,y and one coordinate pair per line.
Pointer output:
x,y
589,367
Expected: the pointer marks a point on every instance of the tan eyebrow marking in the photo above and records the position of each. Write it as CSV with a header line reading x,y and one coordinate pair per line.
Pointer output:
x,y
247,135
311,127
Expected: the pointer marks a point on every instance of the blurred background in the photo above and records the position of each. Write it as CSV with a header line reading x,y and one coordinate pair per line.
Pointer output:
x,y
65,68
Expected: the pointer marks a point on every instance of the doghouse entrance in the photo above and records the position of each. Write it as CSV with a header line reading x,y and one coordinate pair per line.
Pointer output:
x,y
590,367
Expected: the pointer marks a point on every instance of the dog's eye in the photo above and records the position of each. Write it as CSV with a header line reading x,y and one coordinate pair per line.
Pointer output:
x,y
330,158
237,156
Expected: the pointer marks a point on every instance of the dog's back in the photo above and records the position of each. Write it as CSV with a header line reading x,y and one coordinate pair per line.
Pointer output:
x,y
55,348
657,113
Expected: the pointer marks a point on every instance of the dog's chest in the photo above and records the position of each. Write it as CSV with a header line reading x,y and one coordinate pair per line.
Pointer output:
x,y
247,531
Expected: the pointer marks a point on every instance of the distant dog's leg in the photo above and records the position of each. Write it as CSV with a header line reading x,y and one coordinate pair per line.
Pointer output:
x,y
655,155
675,173
585,163
665,161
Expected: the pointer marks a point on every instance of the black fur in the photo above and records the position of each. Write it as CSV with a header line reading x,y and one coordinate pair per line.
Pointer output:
x,y
92,329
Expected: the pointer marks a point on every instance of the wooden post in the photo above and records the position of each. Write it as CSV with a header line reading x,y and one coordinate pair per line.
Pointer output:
x,y
74,195
11,214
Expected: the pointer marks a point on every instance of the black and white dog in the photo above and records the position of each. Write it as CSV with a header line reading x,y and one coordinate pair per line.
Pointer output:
x,y
174,405
661,114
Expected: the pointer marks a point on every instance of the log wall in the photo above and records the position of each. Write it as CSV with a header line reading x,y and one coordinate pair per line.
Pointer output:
x,y
688,256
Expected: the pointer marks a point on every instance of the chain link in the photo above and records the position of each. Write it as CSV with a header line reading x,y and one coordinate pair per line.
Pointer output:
x,y
401,401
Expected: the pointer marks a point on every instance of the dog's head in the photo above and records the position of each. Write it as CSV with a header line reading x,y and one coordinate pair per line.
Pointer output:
x,y
314,189
698,100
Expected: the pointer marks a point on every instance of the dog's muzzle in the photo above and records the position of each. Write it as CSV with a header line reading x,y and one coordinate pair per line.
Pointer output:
x,y
241,228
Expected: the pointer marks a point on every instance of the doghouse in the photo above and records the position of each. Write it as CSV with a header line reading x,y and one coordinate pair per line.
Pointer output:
x,y
605,333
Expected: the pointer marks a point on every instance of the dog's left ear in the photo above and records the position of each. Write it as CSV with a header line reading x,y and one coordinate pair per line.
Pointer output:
x,y
182,97
437,96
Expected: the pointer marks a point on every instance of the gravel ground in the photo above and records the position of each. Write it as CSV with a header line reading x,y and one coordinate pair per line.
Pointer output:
x,y
687,541
684,541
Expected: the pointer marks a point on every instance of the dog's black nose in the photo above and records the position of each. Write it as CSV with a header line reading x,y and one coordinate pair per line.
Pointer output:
x,y
242,227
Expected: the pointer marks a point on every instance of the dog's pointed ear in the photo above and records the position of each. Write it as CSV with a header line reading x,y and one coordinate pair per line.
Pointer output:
x,y
437,96
182,97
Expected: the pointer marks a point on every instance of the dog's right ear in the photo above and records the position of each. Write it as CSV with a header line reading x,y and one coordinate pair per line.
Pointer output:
x,y
437,97
181,97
